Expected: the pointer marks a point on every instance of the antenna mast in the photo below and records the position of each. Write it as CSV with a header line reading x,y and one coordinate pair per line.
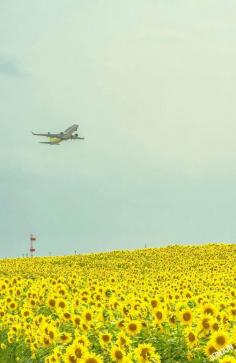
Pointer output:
x,y
32,249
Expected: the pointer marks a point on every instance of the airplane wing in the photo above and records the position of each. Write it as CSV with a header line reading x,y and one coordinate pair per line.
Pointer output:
x,y
47,135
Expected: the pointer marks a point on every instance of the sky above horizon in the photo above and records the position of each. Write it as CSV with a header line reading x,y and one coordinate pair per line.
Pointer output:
x,y
152,86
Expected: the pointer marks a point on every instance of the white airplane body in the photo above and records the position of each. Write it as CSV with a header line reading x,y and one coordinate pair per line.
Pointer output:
x,y
56,139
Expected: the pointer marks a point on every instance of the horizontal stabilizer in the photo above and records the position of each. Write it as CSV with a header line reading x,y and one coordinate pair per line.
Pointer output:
x,y
47,142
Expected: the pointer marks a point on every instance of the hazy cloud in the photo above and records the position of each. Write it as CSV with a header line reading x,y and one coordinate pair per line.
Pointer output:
x,y
9,66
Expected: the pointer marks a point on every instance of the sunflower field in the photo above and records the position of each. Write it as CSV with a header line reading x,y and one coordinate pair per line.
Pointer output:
x,y
162,305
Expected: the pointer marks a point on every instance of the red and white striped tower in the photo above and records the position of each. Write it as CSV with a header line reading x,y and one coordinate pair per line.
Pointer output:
x,y
32,249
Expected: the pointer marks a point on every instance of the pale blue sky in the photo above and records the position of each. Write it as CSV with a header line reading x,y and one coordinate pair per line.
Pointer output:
x,y
152,85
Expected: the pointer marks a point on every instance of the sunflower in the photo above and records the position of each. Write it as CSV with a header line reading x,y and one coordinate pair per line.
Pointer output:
x,y
159,315
33,303
209,309
79,350
117,354
52,334
70,357
123,340
144,353
210,350
82,339
61,304
66,316
51,302
46,341
133,327
92,358
172,319
12,305
87,315
53,359
233,313
76,350
215,326
65,338
205,324
84,326
120,324
186,316
220,339
154,303
190,337
105,339
25,313
57,352
76,320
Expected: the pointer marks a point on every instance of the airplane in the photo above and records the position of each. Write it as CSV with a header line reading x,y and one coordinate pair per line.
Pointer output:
x,y
55,139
